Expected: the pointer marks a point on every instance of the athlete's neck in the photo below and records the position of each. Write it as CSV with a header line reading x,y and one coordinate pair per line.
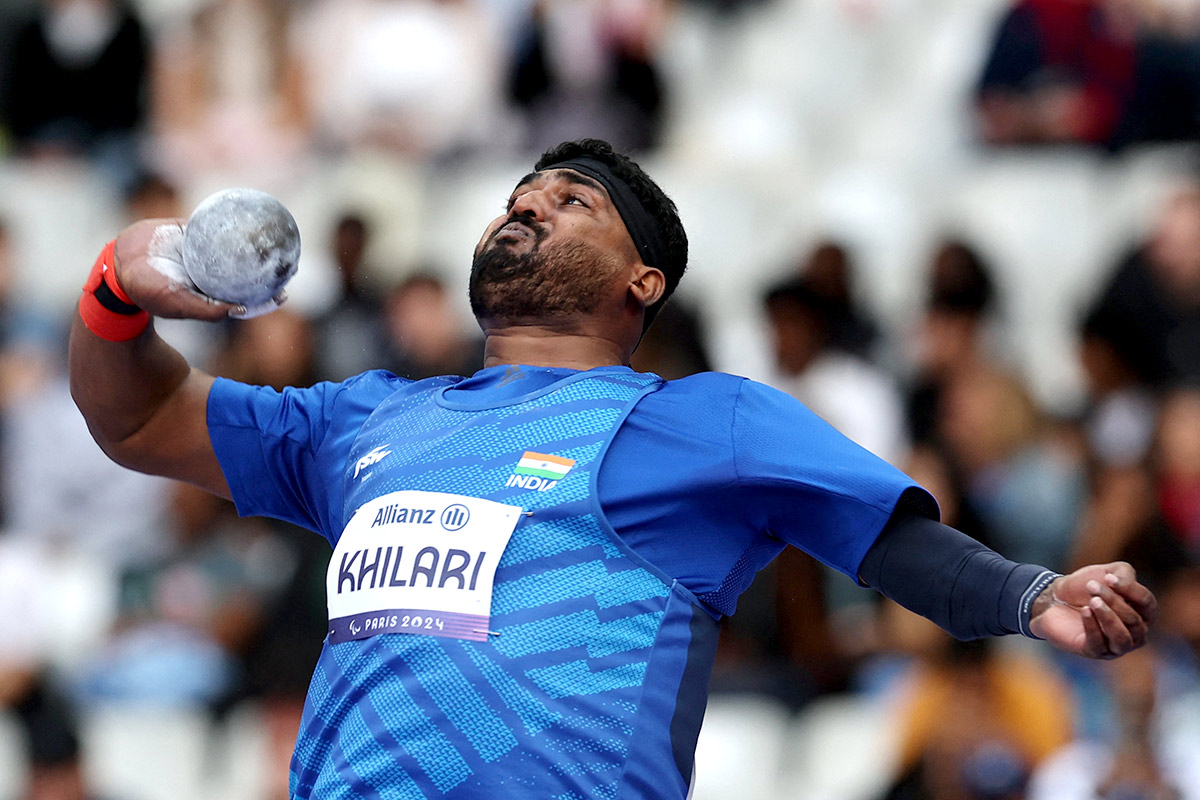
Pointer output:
x,y
543,346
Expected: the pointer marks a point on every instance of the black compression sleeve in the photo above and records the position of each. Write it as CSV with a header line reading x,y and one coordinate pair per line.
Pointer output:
x,y
945,575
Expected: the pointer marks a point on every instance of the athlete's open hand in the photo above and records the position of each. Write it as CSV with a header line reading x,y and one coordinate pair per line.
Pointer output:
x,y
149,268
1100,611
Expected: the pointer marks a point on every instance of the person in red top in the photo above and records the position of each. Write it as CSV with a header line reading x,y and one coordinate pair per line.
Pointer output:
x,y
1059,71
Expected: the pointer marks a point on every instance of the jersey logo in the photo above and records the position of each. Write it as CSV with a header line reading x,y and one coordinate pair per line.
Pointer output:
x,y
539,471
370,459
511,374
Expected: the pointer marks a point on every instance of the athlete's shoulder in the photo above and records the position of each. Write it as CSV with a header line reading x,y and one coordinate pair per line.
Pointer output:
x,y
325,403
749,392
372,382
723,402
696,406
720,388
701,387
374,386
706,382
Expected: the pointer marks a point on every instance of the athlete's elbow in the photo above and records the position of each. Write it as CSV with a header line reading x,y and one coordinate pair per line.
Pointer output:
x,y
119,448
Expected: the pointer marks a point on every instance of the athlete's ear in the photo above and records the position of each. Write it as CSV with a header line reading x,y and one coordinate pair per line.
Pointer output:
x,y
648,285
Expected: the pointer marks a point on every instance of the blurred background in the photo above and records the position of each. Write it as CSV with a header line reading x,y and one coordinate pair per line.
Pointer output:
x,y
966,232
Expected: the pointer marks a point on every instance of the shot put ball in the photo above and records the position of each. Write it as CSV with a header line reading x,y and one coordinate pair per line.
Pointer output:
x,y
241,246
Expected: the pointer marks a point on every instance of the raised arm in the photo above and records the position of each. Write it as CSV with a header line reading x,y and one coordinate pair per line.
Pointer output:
x,y
144,405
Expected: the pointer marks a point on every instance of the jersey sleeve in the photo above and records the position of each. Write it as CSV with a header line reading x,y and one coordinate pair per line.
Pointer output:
x,y
810,486
284,453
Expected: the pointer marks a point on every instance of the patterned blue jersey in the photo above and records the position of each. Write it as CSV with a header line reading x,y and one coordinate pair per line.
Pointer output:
x,y
588,677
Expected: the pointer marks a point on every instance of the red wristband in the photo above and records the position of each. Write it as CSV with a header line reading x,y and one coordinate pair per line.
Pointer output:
x,y
105,308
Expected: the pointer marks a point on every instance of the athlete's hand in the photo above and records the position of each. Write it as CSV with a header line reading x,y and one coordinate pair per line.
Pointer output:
x,y
149,268
1099,611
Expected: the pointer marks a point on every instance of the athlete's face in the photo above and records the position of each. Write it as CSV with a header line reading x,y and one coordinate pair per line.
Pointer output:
x,y
560,249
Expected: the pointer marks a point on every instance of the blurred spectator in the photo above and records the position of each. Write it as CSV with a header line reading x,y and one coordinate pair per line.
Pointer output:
x,y
1059,71
25,335
275,350
229,90
1121,521
1121,414
590,69
12,16
153,196
1145,513
426,335
75,79
1147,757
419,77
729,6
55,757
1178,460
975,723
1178,644
674,345
53,605
1026,488
1141,336
58,486
828,271
1118,428
1151,305
1165,105
184,619
350,336
953,331
1102,72
852,395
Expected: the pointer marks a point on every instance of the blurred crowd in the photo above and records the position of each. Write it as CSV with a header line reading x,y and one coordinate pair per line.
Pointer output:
x,y
127,592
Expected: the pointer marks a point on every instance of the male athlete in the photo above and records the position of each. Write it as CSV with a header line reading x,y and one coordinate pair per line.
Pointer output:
x,y
529,562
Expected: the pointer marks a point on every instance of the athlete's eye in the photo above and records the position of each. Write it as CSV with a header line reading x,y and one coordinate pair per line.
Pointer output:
x,y
574,199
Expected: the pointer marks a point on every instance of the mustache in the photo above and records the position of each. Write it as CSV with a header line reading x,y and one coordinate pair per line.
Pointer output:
x,y
526,219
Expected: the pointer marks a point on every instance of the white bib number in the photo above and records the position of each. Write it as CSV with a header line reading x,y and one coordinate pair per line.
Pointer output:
x,y
418,562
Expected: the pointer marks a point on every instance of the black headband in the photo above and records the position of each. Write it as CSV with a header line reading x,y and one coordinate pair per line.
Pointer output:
x,y
638,221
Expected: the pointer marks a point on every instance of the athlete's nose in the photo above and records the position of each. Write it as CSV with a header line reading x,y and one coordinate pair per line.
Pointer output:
x,y
531,204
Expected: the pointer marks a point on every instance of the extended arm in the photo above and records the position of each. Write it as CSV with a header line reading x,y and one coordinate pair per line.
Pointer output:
x,y
144,405
1099,611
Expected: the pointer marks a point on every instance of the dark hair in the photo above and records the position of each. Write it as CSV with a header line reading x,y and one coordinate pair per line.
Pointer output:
x,y
1104,325
960,280
798,294
147,182
648,193
352,219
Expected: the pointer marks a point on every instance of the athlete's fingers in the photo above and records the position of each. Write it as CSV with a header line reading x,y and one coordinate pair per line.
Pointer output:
x,y
1095,645
1117,637
1123,580
1129,616
249,312
177,301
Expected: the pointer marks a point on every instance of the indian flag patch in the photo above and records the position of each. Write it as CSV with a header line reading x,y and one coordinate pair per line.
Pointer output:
x,y
541,465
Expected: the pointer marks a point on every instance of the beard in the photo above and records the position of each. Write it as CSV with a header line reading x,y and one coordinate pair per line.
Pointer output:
x,y
546,283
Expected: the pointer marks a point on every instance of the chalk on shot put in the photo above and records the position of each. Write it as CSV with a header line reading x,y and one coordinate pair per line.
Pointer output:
x,y
241,246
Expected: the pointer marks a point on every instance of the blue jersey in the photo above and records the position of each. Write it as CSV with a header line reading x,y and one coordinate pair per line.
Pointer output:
x,y
628,514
